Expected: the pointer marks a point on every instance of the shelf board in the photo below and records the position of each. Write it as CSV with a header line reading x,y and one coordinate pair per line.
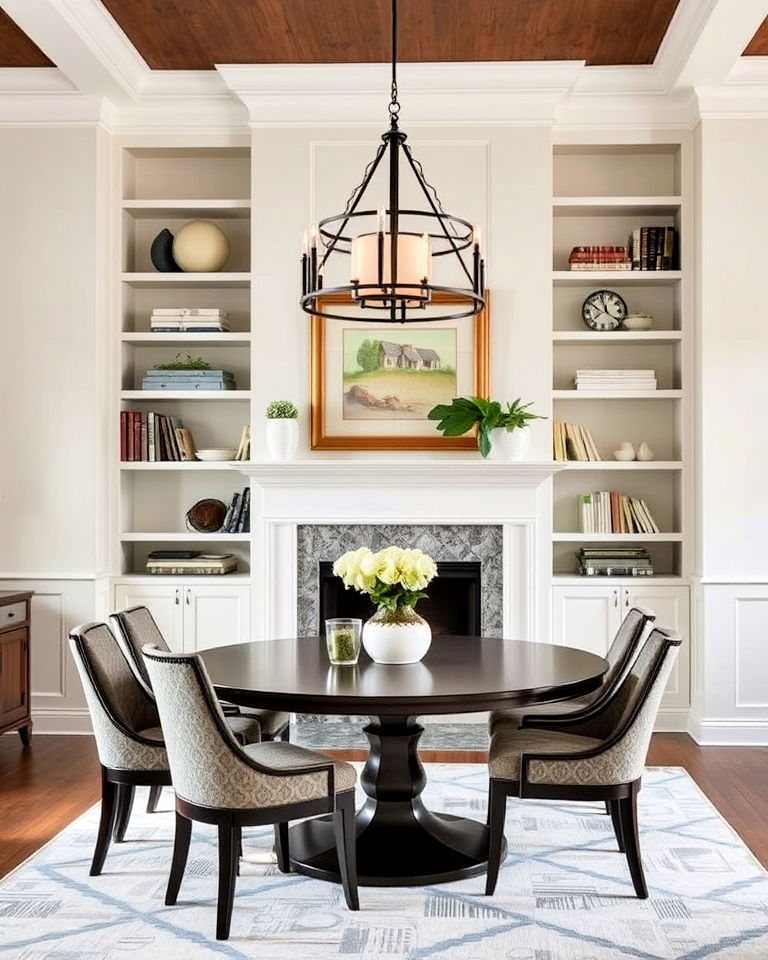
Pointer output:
x,y
212,395
617,537
657,579
623,465
152,279
183,537
617,394
146,338
188,209
616,206
616,336
175,465
618,278
144,578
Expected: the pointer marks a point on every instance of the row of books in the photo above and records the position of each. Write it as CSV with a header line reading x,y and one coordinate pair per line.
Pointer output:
x,y
615,380
189,320
605,512
190,562
654,248
188,380
614,562
238,517
600,258
153,437
571,441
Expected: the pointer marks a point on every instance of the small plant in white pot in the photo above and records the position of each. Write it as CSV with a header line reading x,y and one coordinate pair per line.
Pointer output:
x,y
502,434
282,433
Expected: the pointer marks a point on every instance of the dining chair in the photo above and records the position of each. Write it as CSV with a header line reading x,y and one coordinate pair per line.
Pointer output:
x,y
126,726
621,653
600,756
218,781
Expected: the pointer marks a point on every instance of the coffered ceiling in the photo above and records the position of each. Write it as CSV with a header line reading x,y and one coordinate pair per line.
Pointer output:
x,y
16,49
758,45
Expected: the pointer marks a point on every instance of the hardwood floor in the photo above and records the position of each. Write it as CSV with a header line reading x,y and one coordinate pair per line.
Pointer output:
x,y
42,789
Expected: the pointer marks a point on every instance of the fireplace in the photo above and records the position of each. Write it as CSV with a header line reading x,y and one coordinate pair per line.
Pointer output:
x,y
452,607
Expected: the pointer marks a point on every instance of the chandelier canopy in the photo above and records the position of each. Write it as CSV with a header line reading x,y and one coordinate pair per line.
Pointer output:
x,y
392,250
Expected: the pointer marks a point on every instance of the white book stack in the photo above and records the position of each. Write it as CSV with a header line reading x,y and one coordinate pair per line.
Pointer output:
x,y
610,380
189,320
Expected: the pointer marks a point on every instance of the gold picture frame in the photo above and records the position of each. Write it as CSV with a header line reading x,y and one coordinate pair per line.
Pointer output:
x,y
323,439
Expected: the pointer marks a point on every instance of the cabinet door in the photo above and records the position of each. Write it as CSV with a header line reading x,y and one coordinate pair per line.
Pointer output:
x,y
672,608
13,676
164,603
215,616
586,617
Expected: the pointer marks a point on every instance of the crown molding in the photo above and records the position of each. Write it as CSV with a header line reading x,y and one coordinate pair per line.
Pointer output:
x,y
31,80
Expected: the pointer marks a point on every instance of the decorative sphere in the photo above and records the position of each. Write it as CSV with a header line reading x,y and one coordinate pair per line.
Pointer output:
x,y
200,247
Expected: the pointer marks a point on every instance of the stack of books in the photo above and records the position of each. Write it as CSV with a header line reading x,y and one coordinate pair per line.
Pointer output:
x,y
605,512
600,258
154,437
571,441
614,562
189,320
186,562
654,248
238,517
244,447
611,380
188,380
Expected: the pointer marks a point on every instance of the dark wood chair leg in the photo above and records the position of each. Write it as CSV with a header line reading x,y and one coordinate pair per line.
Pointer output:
x,y
179,861
125,792
281,848
154,798
608,808
239,857
25,733
615,812
228,837
346,841
629,830
497,810
106,824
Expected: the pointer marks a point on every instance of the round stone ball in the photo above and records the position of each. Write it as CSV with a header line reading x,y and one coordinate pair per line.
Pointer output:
x,y
200,247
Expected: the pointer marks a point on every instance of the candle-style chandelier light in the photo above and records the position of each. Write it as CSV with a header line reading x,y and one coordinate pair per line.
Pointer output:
x,y
390,269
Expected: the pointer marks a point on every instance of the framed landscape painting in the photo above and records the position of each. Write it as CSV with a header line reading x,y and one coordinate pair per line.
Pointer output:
x,y
374,383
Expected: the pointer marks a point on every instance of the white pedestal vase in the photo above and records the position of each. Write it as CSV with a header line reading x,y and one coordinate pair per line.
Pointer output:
x,y
509,445
282,436
396,636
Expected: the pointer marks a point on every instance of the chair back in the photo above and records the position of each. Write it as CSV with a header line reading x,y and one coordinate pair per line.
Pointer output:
x,y
136,628
118,705
626,644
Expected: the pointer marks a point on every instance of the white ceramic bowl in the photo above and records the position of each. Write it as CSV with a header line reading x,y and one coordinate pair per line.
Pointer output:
x,y
638,321
216,453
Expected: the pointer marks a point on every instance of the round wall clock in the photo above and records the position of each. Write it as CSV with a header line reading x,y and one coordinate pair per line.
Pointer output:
x,y
603,310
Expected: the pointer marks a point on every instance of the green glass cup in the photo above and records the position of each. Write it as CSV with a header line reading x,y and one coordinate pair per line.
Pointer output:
x,y
342,635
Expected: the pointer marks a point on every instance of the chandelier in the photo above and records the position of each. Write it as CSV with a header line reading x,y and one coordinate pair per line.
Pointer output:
x,y
392,250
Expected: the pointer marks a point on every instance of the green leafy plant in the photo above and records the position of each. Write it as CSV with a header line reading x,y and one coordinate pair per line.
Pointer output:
x,y
282,410
184,363
464,413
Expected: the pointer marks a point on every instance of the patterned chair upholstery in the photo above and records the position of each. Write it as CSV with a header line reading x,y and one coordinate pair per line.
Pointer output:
x,y
600,755
217,780
136,628
620,655
126,727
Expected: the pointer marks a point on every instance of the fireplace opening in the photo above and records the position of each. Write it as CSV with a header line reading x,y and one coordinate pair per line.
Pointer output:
x,y
452,607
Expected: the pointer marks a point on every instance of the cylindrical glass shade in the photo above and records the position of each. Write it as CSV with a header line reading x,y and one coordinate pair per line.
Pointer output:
x,y
414,262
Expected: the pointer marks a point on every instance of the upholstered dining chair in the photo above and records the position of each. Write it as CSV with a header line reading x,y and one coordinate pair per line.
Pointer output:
x,y
217,781
599,756
126,727
621,653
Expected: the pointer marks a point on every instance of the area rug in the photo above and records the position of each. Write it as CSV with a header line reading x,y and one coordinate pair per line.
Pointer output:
x,y
564,892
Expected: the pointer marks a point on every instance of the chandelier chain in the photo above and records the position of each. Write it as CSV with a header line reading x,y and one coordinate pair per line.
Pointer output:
x,y
394,103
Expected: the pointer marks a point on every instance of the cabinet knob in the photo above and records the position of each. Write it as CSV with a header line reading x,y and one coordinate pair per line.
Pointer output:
x,y
627,600
615,598
177,596
188,591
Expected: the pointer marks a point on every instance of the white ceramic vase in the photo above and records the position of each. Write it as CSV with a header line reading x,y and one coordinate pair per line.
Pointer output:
x,y
396,636
509,444
282,438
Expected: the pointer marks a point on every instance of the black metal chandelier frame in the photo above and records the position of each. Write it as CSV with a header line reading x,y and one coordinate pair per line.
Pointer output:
x,y
395,301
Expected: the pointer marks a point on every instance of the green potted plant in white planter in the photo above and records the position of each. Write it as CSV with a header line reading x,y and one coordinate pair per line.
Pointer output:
x,y
282,432
502,434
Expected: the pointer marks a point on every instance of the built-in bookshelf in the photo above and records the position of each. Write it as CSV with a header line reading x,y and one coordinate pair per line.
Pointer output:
x,y
162,187
601,194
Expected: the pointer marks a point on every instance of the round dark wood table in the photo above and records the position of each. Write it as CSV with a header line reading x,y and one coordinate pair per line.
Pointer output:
x,y
399,841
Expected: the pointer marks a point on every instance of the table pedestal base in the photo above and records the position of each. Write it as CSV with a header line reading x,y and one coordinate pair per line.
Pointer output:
x,y
399,841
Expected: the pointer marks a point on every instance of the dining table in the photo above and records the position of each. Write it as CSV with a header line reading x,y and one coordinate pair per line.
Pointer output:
x,y
400,841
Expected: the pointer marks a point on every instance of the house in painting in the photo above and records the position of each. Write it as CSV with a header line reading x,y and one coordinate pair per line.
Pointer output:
x,y
407,357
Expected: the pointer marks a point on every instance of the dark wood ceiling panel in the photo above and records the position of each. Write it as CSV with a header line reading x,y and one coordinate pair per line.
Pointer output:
x,y
758,45
196,34
16,49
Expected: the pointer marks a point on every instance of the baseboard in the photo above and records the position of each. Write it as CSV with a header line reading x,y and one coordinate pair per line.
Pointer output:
x,y
728,731
673,720
72,720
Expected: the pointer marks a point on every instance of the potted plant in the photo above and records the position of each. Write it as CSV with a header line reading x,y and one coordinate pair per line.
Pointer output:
x,y
502,434
394,579
282,433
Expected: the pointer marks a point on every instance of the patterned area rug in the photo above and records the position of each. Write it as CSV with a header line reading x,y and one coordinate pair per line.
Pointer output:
x,y
564,892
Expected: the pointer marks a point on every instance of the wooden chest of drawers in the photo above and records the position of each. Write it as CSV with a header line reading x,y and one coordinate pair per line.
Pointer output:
x,y
14,664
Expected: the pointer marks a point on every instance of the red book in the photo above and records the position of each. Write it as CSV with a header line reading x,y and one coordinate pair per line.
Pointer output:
x,y
615,516
136,436
123,435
